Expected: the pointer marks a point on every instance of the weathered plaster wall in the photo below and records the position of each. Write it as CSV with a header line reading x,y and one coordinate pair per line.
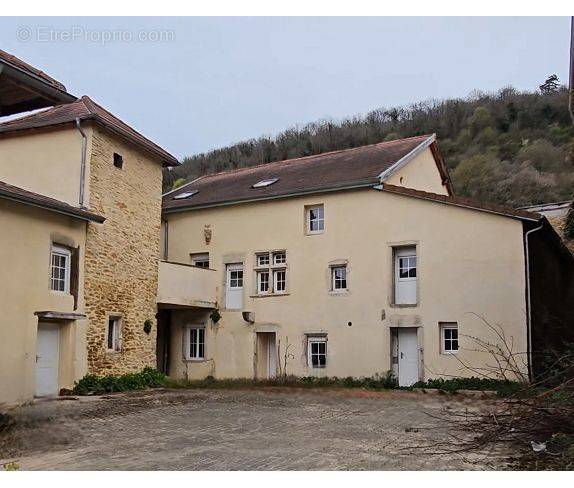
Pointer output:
x,y
122,254
26,238
420,174
468,262
47,163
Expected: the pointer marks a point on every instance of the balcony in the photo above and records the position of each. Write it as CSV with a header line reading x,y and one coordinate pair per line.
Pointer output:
x,y
184,285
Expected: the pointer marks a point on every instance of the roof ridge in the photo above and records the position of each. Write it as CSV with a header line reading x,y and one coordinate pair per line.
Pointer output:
x,y
336,151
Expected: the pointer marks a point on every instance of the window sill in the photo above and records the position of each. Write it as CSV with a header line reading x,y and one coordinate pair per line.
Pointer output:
x,y
317,233
338,292
189,360
113,352
449,353
404,305
269,295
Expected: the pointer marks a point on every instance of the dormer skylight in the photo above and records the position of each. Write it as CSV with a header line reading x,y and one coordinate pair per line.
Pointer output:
x,y
265,183
186,194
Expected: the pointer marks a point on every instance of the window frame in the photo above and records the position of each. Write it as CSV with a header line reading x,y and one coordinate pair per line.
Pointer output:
x,y
260,282
116,336
450,326
66,252
316,340
334,288
270,264
200,341
200,257
400,251
308,220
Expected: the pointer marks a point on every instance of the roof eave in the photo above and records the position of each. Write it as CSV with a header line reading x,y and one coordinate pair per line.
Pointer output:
x,y
79,214
310,191
385,188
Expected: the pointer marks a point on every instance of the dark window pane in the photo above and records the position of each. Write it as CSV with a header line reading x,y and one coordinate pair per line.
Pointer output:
x,y
413,273
455,345
111,334
454,333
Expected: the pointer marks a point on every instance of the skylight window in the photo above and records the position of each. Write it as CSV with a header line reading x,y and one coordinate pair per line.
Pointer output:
x,y
186,194
265,183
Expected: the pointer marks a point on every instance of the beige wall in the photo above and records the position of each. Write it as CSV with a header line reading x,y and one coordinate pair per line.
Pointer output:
x,y
469,262
421,173
47,163
25,244
122,254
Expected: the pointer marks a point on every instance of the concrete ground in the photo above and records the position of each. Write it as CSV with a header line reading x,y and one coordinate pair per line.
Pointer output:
x,y
264,429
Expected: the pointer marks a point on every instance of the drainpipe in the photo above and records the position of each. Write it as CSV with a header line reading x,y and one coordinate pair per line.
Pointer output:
x,y
528,299
83,164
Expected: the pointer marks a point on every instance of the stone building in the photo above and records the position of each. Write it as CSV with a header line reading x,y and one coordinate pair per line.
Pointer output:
x,y
80,208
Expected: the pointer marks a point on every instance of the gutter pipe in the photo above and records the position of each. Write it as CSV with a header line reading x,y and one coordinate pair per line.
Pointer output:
x,y
83,163
528,298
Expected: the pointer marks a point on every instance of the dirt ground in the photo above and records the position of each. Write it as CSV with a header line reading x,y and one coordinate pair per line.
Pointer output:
x,y
263,429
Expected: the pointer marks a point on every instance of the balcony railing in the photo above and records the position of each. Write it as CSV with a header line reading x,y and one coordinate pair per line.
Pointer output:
x,y
186,285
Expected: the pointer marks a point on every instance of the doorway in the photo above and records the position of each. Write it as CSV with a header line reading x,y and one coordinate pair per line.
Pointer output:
x,y
266,355
405,355
47,360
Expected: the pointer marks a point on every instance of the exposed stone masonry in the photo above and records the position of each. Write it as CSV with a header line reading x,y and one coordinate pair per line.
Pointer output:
x,y
121,259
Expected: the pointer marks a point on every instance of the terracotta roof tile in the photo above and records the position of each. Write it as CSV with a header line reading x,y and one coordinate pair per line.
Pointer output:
x,y
22,65
86,109
359,166
462,202
26,197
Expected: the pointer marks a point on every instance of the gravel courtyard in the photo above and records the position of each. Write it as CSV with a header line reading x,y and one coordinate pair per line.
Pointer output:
x,y
265,429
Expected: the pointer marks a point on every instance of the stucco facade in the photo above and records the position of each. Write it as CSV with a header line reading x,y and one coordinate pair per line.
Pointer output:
x,y
28,234
469,262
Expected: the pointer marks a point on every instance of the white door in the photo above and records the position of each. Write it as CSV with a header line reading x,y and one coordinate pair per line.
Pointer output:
x,y
234,287
47,359
271,356
406,276
408,356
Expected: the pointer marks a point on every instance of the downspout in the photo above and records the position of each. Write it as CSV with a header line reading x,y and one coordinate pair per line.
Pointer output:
x,y
528,299
83,163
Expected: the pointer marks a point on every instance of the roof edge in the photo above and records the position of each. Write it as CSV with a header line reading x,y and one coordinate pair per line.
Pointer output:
x,y
459,202
407,158
310,191
56,206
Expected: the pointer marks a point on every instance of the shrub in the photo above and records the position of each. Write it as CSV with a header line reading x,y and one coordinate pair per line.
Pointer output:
x,y
502,387
96,385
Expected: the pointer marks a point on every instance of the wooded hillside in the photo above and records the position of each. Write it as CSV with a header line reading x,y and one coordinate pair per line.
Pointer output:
x,y
510,147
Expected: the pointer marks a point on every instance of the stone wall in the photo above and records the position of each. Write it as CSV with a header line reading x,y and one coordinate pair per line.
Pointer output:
x,y
121,260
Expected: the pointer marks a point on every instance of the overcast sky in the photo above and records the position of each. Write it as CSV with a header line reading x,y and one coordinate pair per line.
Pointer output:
x,y
216,81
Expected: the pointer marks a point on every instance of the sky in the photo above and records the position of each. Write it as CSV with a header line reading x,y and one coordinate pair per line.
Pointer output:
x,y
195,84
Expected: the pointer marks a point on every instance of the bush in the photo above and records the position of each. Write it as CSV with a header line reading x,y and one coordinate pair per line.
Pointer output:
x,y
502,387
96,385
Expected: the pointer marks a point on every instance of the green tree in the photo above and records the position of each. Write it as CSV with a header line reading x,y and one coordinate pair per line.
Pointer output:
x,y
551,85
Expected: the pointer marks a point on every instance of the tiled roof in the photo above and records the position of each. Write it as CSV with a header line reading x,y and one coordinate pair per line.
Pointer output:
x,y
462,202
86,109
23,66
26,197
359,166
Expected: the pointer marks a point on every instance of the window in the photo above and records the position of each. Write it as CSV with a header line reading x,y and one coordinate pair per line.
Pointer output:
x,y
449,338
315,219
265,183
405,264
201,260
271,272
195,343
263,282
60,269
118,161
113,339
407,267
317,352
185,194
279,281
339,278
